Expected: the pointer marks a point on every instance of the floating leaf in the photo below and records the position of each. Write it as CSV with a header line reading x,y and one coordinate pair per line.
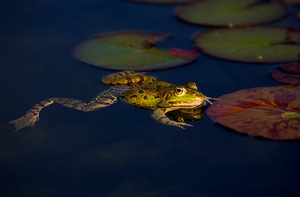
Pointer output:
x,y
161,1
270,112
253,44
290,74
286,78
131,50
292,68
231,12
288,1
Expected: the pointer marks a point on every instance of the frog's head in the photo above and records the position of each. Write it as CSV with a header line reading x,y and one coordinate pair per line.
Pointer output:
x,y
183,97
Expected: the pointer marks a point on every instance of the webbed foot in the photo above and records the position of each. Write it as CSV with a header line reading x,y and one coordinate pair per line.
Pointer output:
x,y
28,120
179,124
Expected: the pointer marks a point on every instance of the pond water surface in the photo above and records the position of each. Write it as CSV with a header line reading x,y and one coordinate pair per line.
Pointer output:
x,y
120,150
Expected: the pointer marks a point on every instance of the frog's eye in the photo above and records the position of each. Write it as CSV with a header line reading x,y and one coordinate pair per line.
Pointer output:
x,y
192,85
179,90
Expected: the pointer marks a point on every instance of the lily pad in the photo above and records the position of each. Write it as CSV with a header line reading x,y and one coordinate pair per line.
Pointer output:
x,y
289,73
161,1
130,50
231,13
270,112
289,1
252,44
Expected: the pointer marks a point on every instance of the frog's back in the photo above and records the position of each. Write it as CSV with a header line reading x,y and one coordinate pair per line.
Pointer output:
x,y
147,96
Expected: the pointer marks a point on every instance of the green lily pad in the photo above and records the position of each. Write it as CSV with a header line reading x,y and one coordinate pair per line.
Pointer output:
x,y
252,44
231,13
269,112
131,50
161,1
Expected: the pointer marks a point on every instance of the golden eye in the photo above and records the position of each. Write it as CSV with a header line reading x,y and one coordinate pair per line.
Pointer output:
x,y
179,90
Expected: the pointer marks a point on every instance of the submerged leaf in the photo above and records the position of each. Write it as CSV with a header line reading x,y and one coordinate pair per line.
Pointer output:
x,y
231,12
131,50
290,74
253,44
270,112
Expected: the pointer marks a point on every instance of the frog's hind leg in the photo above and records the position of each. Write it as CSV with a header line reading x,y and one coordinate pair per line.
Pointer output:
x,y
32,116
104,99
160,116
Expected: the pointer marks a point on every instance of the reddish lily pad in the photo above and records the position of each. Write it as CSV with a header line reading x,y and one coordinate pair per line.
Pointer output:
x,y
131,50
290,73
270,112
231,12
252,44
288,1
161,1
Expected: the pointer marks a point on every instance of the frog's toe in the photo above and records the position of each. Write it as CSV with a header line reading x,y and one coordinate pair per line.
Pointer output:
x,y
182,125
25,121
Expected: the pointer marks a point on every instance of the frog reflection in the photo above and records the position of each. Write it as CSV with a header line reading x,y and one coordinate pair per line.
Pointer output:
x,y
183,115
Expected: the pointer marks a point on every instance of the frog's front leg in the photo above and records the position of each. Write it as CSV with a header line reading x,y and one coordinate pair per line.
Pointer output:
x,y
104,99
160,116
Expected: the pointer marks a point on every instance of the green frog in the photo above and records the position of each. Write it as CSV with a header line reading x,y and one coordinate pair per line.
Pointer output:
x,y
135,88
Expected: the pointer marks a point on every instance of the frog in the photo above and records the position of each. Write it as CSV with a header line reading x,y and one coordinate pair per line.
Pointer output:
x,y
135,88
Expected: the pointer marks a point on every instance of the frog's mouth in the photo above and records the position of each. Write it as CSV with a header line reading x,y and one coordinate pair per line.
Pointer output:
x,y
188,105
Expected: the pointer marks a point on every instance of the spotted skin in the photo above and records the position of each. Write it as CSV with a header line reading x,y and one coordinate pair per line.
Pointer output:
x,y
129,77
135,88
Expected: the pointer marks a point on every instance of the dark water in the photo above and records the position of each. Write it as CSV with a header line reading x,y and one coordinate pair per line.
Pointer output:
x,y
120,150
